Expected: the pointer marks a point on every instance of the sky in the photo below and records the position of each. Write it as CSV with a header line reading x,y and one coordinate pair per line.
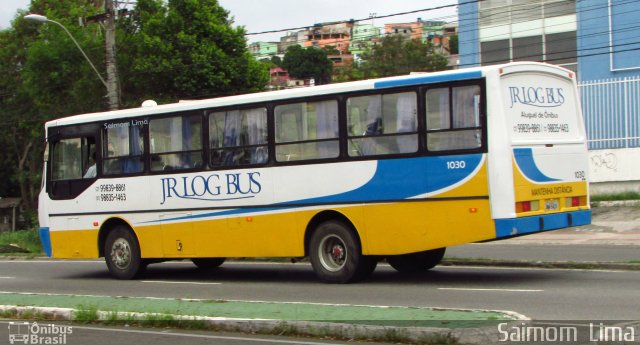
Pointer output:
x,y
265,15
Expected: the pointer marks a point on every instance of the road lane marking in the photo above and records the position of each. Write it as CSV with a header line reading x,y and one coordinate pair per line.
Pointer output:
x,y
489,290
177,282
7,277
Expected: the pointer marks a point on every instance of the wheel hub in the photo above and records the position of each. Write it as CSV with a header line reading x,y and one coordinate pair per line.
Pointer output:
x,y
333,253
121,253
337,252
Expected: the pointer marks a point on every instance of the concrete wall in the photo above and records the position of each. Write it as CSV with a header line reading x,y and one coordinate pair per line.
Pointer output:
x,y
614,171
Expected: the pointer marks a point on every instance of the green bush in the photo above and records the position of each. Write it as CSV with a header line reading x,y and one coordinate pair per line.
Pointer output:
x,y
25,241
616,197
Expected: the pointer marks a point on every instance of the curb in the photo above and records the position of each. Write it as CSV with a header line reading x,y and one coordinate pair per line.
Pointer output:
x,y
345,331
587,265
583,265
615,203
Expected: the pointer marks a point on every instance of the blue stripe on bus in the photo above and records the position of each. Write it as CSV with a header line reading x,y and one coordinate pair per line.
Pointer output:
x,y
428,79
527,164
394,179
526,225
45,240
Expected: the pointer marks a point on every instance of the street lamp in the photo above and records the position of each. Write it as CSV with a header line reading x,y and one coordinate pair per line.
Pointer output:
x,y
42,19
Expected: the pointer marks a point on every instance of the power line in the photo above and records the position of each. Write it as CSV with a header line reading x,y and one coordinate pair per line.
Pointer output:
x,y
363,19
473,28
556,53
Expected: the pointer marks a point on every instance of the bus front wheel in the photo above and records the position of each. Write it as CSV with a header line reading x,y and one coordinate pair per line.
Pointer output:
x,y
122,254
336,255
415,262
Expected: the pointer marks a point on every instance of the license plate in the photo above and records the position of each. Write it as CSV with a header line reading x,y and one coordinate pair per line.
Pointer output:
x,y
551,205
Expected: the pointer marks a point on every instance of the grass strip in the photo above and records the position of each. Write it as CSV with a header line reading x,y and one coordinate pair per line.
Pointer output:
x,y
351,314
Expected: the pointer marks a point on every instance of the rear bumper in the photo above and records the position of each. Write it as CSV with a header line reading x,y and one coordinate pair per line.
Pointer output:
x,y
527,225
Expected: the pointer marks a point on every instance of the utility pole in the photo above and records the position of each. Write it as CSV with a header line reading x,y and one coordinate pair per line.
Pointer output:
x,y
113,91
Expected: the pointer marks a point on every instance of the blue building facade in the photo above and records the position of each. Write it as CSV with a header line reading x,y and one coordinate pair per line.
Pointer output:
x,y
498,31
598,39
608,39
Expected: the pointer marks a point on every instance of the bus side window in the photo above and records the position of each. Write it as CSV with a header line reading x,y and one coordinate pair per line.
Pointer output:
x,y
382,124
307,131
453,118
176,143
123,150
238,137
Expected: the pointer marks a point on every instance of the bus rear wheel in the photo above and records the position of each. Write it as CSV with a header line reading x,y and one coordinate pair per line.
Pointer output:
x,y
122,254
336,255
207,263
416,262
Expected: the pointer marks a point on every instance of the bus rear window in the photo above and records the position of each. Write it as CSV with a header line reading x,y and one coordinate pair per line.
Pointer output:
x,y
540,107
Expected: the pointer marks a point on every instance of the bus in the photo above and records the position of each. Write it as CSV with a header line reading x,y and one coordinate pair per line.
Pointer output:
x,y
347,175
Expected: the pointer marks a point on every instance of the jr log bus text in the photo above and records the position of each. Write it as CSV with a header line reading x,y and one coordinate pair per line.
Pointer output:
x,y
346,174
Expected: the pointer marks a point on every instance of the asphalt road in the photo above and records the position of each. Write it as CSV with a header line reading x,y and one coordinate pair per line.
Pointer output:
x,y
537,293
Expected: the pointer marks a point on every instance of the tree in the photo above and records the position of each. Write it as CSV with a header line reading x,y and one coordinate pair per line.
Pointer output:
x,y
185,49
397,56
44,77
167,51
307,63
453,44
276,61
331,50
347,73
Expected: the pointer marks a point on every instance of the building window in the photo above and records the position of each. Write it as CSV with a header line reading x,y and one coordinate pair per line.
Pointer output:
x,y
525,11
505,24
559,8
527,48
562,48
495,52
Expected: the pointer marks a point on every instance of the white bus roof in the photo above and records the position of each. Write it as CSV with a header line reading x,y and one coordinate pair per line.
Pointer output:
x,y
329,89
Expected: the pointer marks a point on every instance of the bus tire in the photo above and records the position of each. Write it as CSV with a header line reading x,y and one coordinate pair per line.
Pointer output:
x,y
208,263
336,255
122,254
416,262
